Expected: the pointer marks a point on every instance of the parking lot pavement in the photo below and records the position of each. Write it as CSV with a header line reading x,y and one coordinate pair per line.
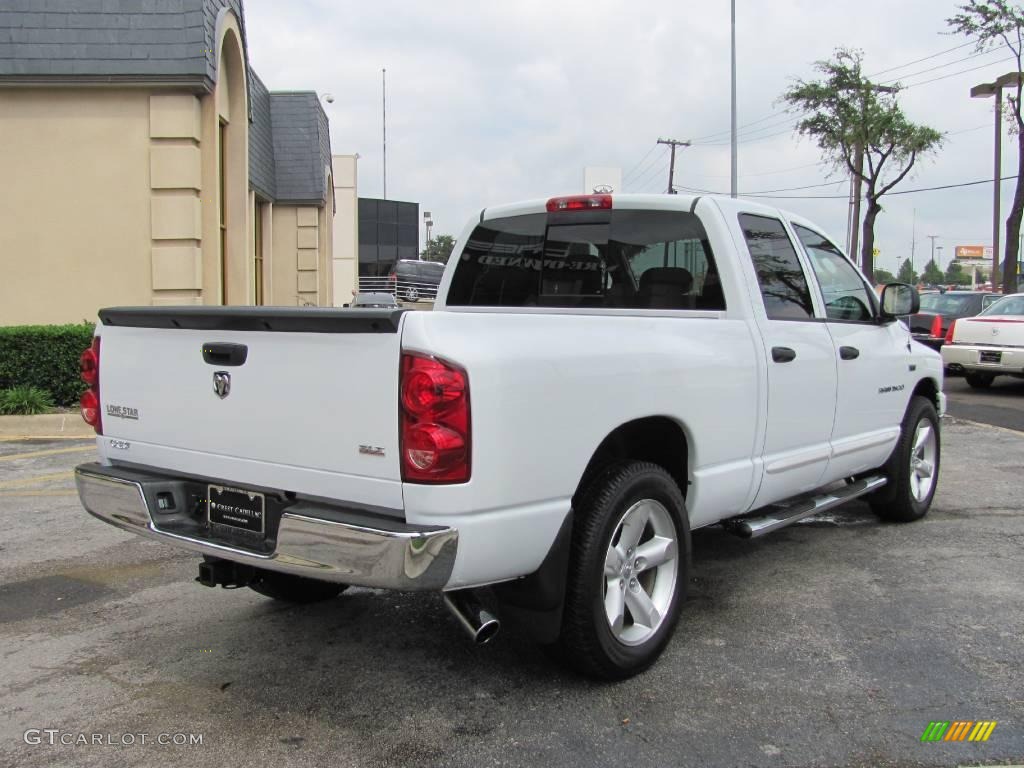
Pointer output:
x,y
831,643
1001,405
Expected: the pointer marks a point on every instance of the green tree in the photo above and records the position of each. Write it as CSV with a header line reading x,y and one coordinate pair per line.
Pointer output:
x,y
849,116
996,23
955,274
439,249
884,276
932,275
906,273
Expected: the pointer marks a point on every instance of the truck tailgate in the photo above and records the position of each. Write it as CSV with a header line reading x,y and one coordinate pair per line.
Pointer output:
x,y
313,408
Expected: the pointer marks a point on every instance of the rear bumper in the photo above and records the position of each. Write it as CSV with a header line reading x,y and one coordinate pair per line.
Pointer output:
x,y
312,540
967,357
932,342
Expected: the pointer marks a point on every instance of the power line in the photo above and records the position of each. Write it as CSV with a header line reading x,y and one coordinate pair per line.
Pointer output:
x,y
771,173
727,131
954,74
948,64
845,197
652,173
630,171
777,113
912,191
925,58
648,167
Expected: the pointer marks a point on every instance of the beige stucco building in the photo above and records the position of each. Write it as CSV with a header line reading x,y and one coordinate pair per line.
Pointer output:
x,y
144,162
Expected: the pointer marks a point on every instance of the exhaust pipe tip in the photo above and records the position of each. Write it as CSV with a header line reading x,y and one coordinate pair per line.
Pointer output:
x,y
479,623
488,630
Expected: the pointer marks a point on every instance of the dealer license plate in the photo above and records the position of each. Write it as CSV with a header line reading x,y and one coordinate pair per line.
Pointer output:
x,y
990,357
236,508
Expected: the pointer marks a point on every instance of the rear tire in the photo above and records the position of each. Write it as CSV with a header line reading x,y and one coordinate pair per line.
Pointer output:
x,y
294,589
913,468
979,380
627,571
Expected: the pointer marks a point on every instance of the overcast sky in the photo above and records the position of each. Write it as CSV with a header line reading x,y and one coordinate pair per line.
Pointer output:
x,y
496,102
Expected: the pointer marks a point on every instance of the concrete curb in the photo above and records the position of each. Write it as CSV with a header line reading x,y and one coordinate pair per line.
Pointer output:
x,y
49,425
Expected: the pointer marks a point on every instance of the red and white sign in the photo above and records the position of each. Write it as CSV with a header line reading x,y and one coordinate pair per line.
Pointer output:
x,y
968,252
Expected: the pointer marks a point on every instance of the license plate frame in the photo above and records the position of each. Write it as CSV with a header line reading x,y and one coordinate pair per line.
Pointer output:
x,y
236,508
990,356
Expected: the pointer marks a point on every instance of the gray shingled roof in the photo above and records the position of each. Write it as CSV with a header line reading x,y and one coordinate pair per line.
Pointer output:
x,y
111,40
301,146
261,140
166,42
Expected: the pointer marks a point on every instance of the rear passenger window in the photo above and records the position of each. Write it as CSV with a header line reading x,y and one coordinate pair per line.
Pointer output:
x,y
782,279
617,259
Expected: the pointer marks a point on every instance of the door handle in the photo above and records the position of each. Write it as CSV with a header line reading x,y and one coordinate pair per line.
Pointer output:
x,y
222,353
783,354
849,353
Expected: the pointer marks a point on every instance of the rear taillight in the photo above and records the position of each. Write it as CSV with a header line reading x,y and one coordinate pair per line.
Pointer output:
x,y
937,327
90,401
579,203
949,333
434,421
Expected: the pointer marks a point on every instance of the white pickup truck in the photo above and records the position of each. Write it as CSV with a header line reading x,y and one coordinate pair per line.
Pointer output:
x,y
600,376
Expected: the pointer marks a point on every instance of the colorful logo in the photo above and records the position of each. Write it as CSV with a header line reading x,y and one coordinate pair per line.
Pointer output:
x,y
958,730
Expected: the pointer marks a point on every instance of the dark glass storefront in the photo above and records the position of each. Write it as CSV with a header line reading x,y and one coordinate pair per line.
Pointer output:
x,y
388,231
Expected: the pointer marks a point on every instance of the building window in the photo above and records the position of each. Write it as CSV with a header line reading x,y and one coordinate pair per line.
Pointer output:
x,y
257,261
222,182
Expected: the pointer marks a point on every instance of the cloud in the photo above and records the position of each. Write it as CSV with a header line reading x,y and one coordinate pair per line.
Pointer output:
x,y
490,103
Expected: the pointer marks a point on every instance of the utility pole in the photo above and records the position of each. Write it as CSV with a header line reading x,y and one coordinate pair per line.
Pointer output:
x,y
384,125
913,238
734,141
672,143
933,238
858,165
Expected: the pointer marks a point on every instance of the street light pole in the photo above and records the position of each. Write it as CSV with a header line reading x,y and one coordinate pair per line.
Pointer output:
x,y
983,91
997,185
733,173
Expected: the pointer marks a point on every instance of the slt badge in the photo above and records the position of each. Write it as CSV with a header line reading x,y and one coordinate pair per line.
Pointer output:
x,y
222,384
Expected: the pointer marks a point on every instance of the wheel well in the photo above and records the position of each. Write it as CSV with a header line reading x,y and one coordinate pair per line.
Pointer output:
x,y
927,388
657,439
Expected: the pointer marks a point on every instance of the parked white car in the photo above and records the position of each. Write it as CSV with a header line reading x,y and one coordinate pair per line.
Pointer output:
x,y
988,345
600,376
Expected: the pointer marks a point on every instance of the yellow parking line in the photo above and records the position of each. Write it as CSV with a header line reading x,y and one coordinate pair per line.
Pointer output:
x,y
38,438
12,494
37,479
50,452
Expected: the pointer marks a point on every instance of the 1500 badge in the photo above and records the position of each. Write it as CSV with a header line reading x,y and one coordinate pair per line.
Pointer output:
x,y
894,388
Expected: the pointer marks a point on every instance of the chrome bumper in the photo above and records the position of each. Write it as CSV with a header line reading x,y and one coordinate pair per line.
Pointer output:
x,y
393,556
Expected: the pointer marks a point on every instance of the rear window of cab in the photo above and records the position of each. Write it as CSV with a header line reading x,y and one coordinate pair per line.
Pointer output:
x,y
618,259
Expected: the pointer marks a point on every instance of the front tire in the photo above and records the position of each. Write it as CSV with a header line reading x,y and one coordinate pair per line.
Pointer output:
x,y
913,468
627,571
294,589
979,380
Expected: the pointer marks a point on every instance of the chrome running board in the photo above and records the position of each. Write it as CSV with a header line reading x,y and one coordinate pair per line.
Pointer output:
x,y
779,516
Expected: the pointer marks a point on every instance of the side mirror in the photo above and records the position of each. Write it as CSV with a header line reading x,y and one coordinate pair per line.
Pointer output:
x,y
899,300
